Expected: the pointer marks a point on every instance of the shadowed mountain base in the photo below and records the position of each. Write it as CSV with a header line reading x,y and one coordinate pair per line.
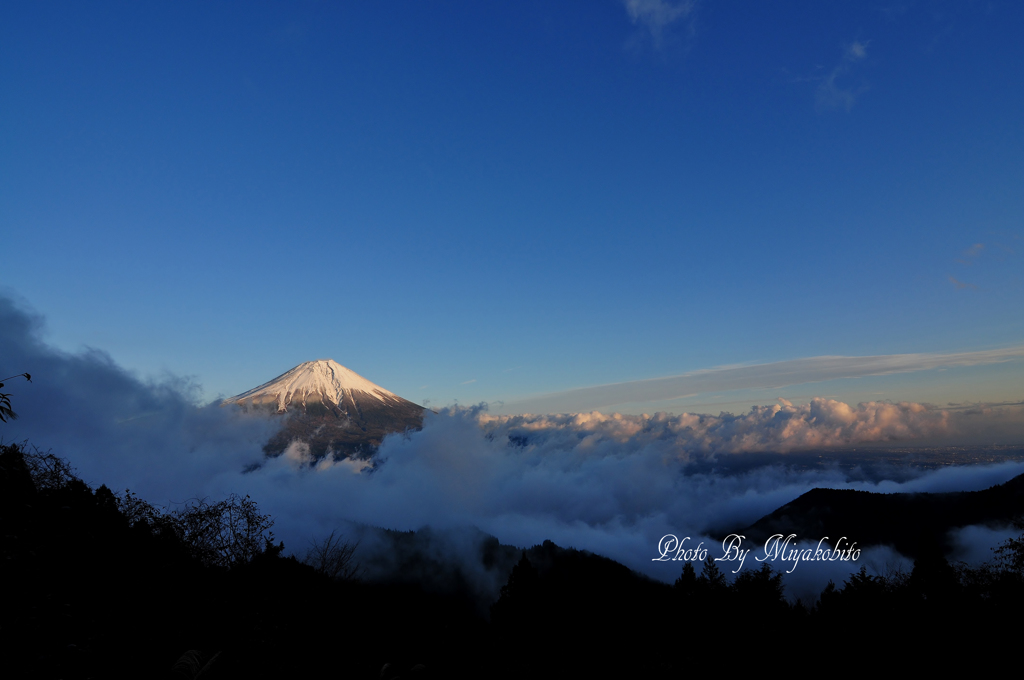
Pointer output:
x,y
914,524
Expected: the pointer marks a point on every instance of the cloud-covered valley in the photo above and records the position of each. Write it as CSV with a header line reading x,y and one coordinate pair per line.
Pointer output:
x,y
612,484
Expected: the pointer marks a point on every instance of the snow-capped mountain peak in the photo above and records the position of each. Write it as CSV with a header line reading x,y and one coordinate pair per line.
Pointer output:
x,y
333,410
324,381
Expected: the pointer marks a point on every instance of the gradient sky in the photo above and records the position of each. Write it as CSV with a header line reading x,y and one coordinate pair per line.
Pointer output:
x,y
468,201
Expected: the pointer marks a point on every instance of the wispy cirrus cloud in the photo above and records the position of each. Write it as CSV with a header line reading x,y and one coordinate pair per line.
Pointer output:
x,y
771,375
960,285
832,93
972,253
657,15
990,265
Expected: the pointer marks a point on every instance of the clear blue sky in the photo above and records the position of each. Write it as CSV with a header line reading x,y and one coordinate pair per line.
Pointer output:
x,y
481,201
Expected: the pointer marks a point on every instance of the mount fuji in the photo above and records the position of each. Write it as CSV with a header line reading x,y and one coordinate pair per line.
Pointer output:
x,y
332,409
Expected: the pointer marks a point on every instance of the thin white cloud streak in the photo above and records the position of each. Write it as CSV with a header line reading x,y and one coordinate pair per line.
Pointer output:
x,y
830,94
773,375
657,15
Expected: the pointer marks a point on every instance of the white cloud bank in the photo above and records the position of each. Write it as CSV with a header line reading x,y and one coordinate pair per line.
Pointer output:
x,y
612,484
823,423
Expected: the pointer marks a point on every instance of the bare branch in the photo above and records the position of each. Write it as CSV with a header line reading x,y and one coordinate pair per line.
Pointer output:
x,y
334,557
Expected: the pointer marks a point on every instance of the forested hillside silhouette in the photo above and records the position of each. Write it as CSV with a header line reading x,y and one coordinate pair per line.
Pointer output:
x,y
103,584
914,524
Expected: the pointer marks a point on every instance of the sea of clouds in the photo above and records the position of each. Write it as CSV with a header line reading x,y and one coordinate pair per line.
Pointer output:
x,y
611,484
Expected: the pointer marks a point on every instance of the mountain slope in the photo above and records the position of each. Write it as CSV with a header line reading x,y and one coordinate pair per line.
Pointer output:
x,y
912,523
331,408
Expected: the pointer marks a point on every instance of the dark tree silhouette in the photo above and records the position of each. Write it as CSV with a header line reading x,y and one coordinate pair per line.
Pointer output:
x,y
5,399
711,579
223,534
1011,553
686,584
761,589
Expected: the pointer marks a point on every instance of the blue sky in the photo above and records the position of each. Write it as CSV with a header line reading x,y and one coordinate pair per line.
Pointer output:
x,y
470,201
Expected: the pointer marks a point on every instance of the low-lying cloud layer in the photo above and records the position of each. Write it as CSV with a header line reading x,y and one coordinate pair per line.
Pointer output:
x,y
781,427
612,484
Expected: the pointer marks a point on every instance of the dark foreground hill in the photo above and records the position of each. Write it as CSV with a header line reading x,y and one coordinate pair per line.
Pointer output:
x,y
101,585
912,523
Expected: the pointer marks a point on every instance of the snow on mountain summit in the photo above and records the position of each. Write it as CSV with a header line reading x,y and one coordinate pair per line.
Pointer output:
x,y
330,409
323,381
